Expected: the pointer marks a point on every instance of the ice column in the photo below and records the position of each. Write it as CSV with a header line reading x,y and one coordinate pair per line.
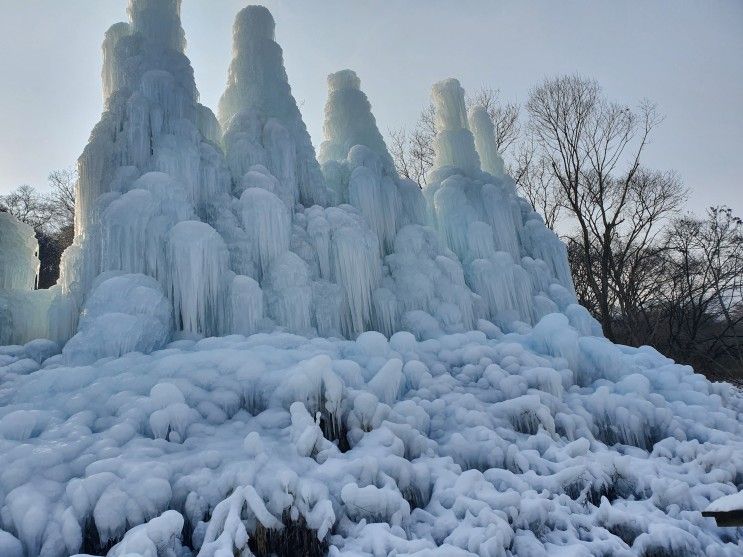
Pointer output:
x,y
482,128
267,222
454,143
151,108
246,305
357,163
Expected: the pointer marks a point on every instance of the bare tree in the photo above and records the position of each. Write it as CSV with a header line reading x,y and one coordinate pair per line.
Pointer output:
x,y
52,217
62,184
594,149
28,205
534,179
703,290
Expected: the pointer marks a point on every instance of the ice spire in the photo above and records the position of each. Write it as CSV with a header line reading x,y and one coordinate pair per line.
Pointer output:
x,y
482,128
258,111
454,143
349,120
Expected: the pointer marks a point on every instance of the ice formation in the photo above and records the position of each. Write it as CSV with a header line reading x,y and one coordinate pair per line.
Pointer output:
x,y
19,263
158,197
248,345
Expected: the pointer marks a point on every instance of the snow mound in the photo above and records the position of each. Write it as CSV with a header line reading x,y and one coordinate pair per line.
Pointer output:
x,y
524,443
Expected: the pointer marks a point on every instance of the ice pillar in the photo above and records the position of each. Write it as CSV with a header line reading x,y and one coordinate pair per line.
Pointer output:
x,y
454,144
484,132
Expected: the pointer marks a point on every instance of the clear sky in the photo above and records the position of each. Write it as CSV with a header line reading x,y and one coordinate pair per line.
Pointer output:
x,y
686,56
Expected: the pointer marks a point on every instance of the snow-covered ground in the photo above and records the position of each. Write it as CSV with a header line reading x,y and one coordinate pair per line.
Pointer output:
x,y
543,442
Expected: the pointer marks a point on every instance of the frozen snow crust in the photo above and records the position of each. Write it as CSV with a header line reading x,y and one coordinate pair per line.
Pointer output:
x,y
186,389
538,442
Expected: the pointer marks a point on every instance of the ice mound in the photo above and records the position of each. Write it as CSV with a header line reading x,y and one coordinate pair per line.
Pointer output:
x,y
477,443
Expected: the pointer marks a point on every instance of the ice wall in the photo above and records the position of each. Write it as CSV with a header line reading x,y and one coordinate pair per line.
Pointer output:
x,y
19,267
454,143
27,314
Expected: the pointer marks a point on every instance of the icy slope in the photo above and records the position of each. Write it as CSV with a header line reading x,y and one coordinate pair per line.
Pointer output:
x,y
546,442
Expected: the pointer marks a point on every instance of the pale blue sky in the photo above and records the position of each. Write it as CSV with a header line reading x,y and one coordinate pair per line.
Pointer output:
x,y
686,56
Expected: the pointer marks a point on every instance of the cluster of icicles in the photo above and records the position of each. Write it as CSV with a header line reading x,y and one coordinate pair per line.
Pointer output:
x,y
232,225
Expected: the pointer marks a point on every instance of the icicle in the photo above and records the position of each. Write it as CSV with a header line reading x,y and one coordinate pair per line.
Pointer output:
x,y
319,232
268,224
246,305
505,287
415,209
197,262
329,305
355,265
378,201
542,243
498,205
454,214
136,225
480,240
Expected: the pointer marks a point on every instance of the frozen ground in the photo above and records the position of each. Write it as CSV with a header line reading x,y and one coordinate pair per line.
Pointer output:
x,y
543,442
